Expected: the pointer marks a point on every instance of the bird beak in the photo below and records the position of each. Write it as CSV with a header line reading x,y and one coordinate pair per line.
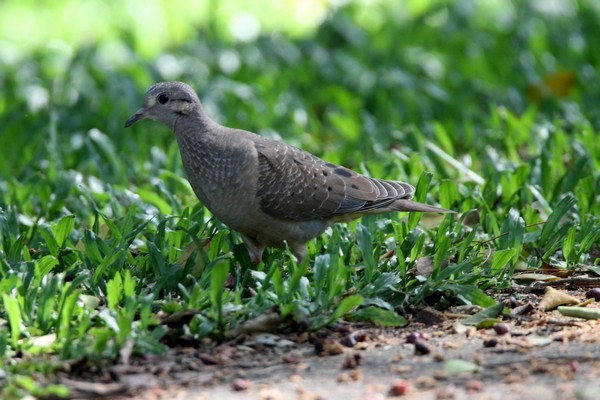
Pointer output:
x,y
140,114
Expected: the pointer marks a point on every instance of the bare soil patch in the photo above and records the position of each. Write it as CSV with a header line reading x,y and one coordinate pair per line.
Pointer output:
x,y
533,355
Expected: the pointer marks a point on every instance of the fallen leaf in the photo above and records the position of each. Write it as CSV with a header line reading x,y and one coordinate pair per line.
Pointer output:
x,y
179,318
92,388
456,366
43,341
539,341
90,301
552,270
487,323
558,84
490,312
580,312
554,298
262,323
424,266
532,277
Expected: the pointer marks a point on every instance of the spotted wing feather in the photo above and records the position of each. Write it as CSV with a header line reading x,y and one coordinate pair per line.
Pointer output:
x,y
296,185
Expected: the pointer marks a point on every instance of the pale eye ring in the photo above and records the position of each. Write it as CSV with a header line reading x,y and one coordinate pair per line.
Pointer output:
x,y
162,98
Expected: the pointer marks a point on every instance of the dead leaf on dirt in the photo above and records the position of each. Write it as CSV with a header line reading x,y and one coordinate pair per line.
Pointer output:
x,y
490,312
535,277
424,266
554,298
200,262
93,388
43,341
552,270
472,218
487,323
179,318
527,342
456,366
329,347
522,310
538,340
89,301
263,323
388,255
268,340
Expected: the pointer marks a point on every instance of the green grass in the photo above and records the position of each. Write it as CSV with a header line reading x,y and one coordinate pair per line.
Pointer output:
x,y
97,222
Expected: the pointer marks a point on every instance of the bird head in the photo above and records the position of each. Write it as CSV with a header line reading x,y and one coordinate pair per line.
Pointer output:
x,y
166,102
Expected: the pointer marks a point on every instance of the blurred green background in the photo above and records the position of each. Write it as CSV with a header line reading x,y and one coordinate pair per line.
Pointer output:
x,y
328,75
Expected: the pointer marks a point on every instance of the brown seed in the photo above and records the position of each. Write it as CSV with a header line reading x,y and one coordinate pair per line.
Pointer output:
x,y
501,329
411,337
422,347
360,336
399,388
240,384
593,293
348,341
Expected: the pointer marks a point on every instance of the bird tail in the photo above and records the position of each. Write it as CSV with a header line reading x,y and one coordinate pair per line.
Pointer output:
x,y
412,206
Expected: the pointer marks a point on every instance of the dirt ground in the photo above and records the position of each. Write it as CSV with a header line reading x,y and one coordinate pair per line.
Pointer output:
x,y
545,358
530,354
386,366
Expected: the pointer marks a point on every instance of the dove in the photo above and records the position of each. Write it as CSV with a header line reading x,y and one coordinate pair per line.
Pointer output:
x,y
273,194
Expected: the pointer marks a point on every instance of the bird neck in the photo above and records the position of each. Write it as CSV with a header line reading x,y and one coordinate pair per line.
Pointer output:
x,y
193,125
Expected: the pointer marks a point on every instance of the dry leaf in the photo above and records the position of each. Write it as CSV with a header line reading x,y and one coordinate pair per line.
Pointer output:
x,y
424,266
558,84
535,277
554,298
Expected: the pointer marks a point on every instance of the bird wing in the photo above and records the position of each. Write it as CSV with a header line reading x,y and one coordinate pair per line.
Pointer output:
x,y
296,185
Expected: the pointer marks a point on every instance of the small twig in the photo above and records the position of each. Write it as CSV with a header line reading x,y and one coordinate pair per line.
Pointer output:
x,y
575,280
506,233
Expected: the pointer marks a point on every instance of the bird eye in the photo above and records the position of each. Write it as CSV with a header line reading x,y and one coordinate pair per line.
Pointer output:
x,y
162,98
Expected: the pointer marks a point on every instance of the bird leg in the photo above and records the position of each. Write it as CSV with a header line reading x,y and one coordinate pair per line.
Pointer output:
x,y
299,251
255,249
